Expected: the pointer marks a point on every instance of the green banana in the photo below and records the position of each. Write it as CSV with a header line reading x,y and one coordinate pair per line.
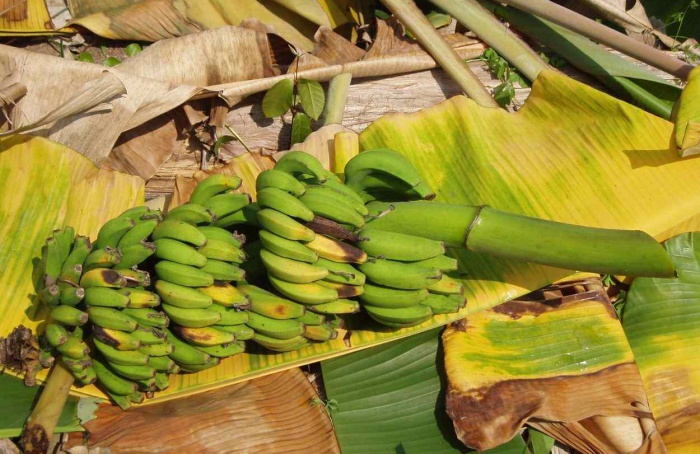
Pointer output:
x,y
71,275
102,258
52,259
68,315
193,213
406,315
225,294
50,294
87,377
107,317
119,340
224,350
222,271
71,296
149,335
138,233
344,290
312,319
73,348
191,368
382,161
133,372
135,213
287,248
225,204
135,254
179,230
72,267
140,298
158,350
265,303
284,226
161,363
336,321
392,298
336,251
205,337
284,202
112,231
77,365
222,250
229,316
247,215
241,332
124,357
179,252
180,296
321,333
280,345
137,397
385,187
356,200
341,198
185,275
111,381
339,306
163,379
277,179
342,273
184,353
332,209
103,277
217,233
278,329
56,334
303,293
299,163
447,286
401,275
291,270
213,185
147,317
444,304
440,262
105,297
398,246
191,318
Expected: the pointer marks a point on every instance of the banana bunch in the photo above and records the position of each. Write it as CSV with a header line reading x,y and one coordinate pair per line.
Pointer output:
x,y
197,261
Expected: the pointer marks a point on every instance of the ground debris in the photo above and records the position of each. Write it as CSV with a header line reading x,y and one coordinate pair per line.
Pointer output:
x,y
20,352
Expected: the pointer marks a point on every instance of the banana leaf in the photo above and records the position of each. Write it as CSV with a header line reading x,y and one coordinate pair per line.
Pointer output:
x,y
661,319
391,399
26,18
44,186
687,117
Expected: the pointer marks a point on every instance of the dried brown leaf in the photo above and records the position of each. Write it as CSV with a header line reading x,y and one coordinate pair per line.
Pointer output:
x,y
19,351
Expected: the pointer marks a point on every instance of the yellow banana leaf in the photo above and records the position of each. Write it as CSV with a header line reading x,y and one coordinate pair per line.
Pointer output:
x,y
154,20
563,363
25,18
45,186
687,117
662,322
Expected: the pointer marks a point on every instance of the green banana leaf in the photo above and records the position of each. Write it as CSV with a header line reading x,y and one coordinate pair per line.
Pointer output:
x,y
391,399
687,117
661,319
623,77
17,401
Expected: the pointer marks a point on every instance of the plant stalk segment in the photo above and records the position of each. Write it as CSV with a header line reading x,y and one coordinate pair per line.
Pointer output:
x,y
514,236
415,21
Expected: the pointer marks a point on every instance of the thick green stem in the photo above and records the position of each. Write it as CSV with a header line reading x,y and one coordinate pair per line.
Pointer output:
x,y
337,97
493,32
416,22
47,411
604,35
486,230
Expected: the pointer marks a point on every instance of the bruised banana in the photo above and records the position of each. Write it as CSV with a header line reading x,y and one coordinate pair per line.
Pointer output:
x,y
140,298
229,316
344,290
265,303
102,258
185,353
291,270
224,294
206,336
336,251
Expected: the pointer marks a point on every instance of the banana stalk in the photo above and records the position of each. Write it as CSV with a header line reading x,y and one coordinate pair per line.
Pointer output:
x,y
487,230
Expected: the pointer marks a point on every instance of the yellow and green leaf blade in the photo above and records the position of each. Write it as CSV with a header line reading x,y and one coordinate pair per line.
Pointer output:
x,y
661,319
687,117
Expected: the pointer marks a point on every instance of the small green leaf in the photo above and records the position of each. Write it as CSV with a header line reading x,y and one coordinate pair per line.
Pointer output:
x,y
278,99
439,19
132,49
540,443
312,97
219,142
383,15
504,94
301,127
112,61
86,57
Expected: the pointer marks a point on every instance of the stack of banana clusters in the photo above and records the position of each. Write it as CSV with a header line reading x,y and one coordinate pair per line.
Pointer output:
x,y
101,284
196,265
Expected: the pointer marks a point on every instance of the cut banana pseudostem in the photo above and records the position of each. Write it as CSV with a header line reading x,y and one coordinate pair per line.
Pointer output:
x,y
213,185
401,275
291,270
277,179
398,246
311,293
285,203
336,251
287,248
179,252
284,226
299,163
265,303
